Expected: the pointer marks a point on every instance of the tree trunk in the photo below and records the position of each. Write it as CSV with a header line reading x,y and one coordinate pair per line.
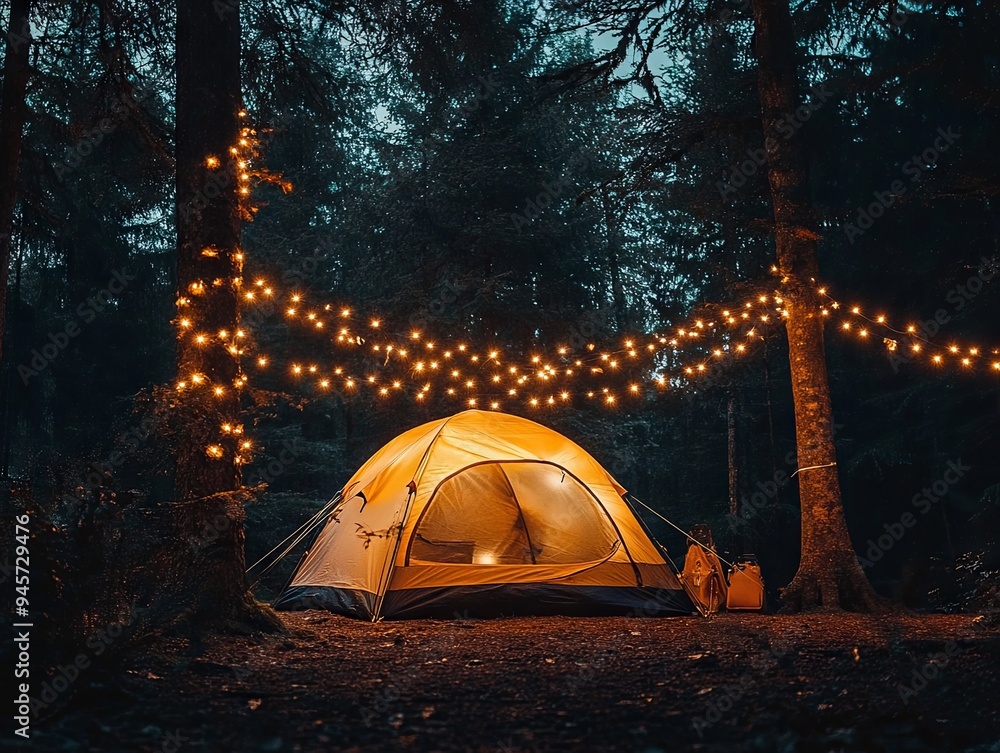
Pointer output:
x,y
12,114
829,575
209,262
734,474
209,278
618,300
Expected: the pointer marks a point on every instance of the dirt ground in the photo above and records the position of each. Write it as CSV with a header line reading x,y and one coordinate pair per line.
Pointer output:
x,y
733,683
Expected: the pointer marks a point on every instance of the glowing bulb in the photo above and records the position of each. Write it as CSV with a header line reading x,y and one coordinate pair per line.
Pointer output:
x,y
375,323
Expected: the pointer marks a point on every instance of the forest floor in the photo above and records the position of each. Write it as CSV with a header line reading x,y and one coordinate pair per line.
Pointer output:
x,y
733,683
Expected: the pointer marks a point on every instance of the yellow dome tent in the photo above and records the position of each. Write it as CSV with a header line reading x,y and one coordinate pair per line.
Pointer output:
x,y
478,514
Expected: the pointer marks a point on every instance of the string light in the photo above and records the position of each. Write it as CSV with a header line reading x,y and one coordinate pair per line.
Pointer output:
x,y
917,345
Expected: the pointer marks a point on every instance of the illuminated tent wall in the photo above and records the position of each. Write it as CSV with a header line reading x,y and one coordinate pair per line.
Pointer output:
x,y
483,514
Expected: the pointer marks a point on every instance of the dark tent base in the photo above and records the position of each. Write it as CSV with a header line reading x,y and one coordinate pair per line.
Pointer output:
x,y
504,600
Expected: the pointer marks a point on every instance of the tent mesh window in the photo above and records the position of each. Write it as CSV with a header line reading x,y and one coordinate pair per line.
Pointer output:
x,y
512,514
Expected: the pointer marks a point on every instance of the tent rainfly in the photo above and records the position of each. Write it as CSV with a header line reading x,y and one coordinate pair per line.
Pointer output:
x,y
483,514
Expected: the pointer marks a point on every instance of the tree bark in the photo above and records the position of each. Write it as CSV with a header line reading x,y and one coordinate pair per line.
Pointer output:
x,y
209,280
13,109
209,262
733,462
829,575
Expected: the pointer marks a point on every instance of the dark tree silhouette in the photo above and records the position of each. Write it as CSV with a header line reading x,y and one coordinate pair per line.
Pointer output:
x,y
12,111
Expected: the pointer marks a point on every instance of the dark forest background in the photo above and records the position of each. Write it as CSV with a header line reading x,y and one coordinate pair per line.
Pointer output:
x,y
415,139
